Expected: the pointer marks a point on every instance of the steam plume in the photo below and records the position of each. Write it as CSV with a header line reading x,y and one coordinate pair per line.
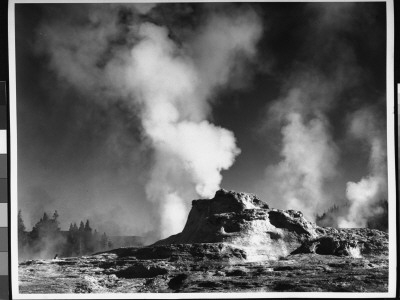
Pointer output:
x,y
168,85
189,151
317,82
308,154
370,189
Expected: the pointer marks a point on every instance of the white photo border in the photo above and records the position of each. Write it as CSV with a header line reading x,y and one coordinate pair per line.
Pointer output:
x,y
392,206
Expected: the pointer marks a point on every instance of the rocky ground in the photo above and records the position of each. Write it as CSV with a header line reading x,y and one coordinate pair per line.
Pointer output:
x,y
231,243
199,270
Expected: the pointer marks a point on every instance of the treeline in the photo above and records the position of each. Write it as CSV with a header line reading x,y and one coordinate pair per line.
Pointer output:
x,y
379,220
330,217
46,240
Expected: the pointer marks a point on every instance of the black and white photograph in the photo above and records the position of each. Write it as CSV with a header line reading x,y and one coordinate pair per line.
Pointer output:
x,y
225,149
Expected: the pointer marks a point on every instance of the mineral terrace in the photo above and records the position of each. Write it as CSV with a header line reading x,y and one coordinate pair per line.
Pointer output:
x,y
232,243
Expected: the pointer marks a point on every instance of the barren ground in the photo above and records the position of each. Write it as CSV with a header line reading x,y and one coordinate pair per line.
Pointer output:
x,y
112,273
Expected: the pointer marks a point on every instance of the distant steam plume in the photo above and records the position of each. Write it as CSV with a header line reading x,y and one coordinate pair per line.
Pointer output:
x,y
308,153
168,85
311,90
372,188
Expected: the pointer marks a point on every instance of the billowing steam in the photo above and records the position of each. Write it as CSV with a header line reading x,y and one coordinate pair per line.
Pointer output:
x,y
136,96
372,188
308,154
168,84
188,154
304,113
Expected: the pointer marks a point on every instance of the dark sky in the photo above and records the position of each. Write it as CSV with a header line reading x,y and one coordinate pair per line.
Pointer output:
x,y
300,85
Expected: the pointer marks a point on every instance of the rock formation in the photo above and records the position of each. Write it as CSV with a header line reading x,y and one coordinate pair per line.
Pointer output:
x,y
233,242
244,221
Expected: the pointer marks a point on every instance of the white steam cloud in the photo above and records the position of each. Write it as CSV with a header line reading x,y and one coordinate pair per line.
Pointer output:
x,y
372,188
308,153
190,152
318,83
170,85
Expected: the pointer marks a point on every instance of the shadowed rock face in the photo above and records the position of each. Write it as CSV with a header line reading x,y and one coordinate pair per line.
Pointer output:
x,y
232,243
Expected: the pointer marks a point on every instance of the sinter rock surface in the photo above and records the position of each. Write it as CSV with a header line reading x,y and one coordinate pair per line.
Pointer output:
x,y
231,243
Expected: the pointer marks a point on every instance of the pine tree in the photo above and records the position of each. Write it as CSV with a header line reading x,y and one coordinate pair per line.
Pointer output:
x,y
87,226
81,246
55,222
45,217
87,238
46,232
71,247
55,216
22,234
21,225
81,227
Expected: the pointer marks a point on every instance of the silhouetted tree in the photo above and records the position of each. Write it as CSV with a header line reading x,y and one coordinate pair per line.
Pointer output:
x,y
71,247
21,225
379,220
87,227
46,227
90,242
81,227
55,216
22,234
46,235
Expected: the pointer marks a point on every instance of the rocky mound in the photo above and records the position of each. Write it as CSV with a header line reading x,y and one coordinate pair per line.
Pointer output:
x,y
245,221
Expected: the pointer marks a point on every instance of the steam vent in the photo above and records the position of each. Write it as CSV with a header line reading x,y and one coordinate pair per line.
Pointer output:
x,y
233,242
